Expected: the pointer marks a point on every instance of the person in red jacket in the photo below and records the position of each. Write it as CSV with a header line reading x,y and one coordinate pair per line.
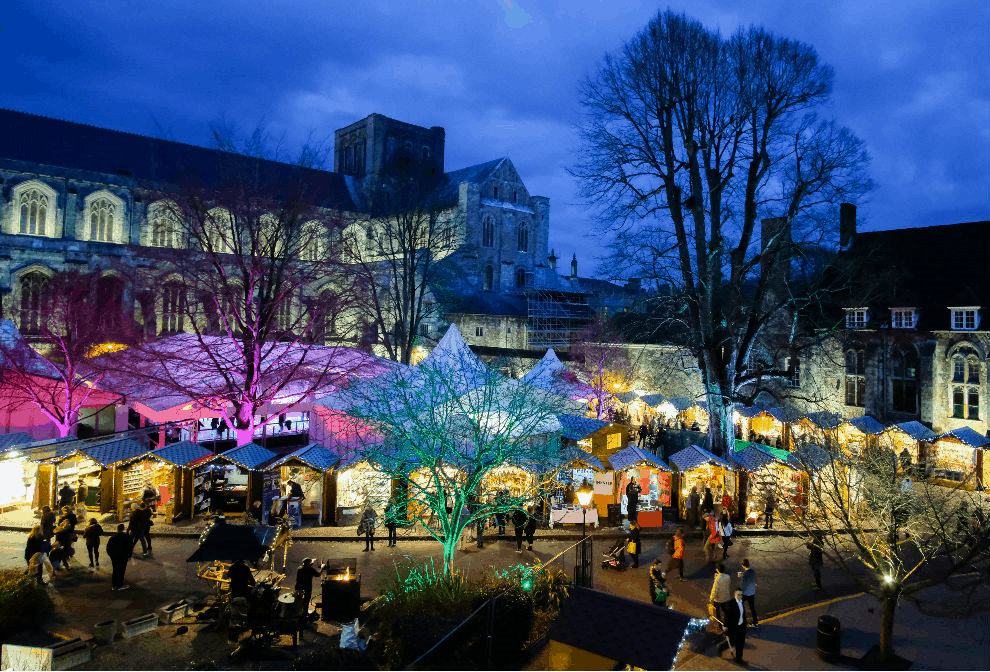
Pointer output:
x,y
714,538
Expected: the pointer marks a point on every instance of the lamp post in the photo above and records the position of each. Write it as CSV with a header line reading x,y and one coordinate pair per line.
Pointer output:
x,y
583,575
584,494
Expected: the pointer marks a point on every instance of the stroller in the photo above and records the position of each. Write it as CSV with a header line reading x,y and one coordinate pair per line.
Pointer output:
x,y
615,557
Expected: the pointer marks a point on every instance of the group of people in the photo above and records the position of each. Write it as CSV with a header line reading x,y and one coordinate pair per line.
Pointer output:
x,y
728,605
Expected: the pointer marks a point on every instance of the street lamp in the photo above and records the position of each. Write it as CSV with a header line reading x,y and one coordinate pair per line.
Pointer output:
x,y
584,494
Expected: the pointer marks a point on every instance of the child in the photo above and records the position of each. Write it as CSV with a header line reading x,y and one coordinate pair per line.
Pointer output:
x,y
92,536
658,584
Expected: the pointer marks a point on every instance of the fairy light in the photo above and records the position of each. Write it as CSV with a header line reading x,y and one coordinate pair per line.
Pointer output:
x,y
693,626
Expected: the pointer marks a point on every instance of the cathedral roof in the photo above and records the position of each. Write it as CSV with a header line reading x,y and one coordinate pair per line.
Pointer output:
x,y
448,192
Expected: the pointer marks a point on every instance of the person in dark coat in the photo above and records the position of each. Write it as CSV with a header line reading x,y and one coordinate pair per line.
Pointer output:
x,y
633,488
47,522
64,535
530,526
136,528
501,499
693,502
633,538
769,506
66,496
519,519
119,548
33,544
708,502
92,535
150,496
392,520
82,492
367,527
241,579
304,580
815,558
735,625
69,517
642,433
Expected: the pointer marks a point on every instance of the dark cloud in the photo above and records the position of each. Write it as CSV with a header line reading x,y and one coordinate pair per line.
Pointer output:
x,y
501,77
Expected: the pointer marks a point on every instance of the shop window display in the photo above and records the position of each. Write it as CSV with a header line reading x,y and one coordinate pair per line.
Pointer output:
x,y
220,488
655,495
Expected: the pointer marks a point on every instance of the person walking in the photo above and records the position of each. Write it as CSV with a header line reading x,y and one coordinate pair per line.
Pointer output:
x,y
47,522
33,545
747,578
241,579
633,544
815,558
304,581
633,490
135,528
367,527
675,547
392,519
119,549
69,516
530,526
658,584
769,506
642,435
92,535
692,507
721,592
735,625
725,506
519,520
714,538
725,529
40,564
708,503
62,549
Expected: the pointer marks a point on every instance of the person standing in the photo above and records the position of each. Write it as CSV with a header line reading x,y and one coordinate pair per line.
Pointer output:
x,y
815,558
392,519
135,528
82,493
33,545
714,538
367,527
708,502
501,502
725,529
735,625
241,579
747,578
769,506
66,496
633,544
642,435
519,520
721,592
692,507
62,548
624,511
146,526
725,505
675,546
633,489
530,526
304,581
119,549
47,522
479,523
92,535
150,496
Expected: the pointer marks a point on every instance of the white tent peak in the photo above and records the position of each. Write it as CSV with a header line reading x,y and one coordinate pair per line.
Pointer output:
x,y
544,369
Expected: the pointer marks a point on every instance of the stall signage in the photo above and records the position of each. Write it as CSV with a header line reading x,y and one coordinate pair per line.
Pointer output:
x,y
605,483
663,487
270,489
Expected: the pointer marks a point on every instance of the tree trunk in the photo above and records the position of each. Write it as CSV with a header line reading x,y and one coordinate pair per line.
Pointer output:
x,y
887,626
720,429
244,427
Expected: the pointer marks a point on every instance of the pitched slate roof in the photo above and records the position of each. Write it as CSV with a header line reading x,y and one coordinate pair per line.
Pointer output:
x,y
551,375
449,190
652,644
824,419
785,414
694,456
653,400
314,455
577,427
748,411
866,424
626,397
748,456
809,457
573,454
683,403
250,455
914,429
967,435
182,453
15,440
114,451
627,457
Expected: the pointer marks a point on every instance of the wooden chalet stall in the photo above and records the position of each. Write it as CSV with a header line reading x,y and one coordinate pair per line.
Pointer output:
x,y
177,464
910,441
696,467
229,482
690,413
99,467
765,470
359,483
577,466
772,426
18,473
858,434
654,477
819,428
312,467
632,405
959,456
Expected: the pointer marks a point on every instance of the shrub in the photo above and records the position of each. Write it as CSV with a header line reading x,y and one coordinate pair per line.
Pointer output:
x,y
24,603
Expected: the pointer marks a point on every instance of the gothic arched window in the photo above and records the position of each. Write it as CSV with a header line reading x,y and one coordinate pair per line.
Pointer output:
x,y
33,307
488,232
520,277
489,277
173,308
522,243
101,214
855,378
34,212
965,385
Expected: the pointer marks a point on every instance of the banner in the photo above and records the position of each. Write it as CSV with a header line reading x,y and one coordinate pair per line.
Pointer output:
x,y
605,483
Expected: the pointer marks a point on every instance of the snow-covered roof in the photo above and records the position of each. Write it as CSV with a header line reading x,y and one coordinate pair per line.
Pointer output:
x,y
866,424
626,397
550,374
653,400
967,435
632,455
914,429
574,454
785,414
694,456
683,403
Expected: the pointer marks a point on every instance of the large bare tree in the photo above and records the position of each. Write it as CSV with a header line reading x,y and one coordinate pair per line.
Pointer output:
x,y
691,139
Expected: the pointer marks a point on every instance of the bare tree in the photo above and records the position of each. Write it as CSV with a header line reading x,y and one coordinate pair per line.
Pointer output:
x,y
691,139
394,249
69,318
892,529
601,360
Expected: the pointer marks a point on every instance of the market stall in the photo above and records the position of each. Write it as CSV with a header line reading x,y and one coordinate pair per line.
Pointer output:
x,y
699,468
178,462
311,468
654,477
691,414
764,470
959,457
229,482
819,428
909,441
18,472
772,426
578,466
631,404
359,484
858,434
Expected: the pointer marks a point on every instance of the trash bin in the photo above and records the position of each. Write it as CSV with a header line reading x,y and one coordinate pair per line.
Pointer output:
x,y
829,640
614,515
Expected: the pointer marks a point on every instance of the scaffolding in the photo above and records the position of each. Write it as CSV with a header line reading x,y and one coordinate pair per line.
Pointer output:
x,y
554,317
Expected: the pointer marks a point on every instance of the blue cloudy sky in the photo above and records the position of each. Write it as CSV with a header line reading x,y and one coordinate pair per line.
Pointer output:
x,y
912,79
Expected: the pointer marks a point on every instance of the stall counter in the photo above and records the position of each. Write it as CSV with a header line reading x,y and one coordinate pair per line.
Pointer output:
x,y
563,516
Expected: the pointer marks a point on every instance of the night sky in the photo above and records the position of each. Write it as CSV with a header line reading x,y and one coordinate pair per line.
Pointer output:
x,y
912,79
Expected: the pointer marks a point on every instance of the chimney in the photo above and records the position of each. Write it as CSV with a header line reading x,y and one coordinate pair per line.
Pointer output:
x,y
847,224
574,266
553,260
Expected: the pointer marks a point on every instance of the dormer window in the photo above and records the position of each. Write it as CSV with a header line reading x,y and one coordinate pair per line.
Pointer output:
x,y
965,318
902,318
856,318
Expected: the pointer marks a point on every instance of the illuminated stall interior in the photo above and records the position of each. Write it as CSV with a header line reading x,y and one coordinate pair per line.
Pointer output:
x,y
312,468
772,426
175,487
819,428
766,470
18,473
517,481
227,483
959,457
909,441
654,478
97,466
690,412
699,468
858,434
360,484
633,405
